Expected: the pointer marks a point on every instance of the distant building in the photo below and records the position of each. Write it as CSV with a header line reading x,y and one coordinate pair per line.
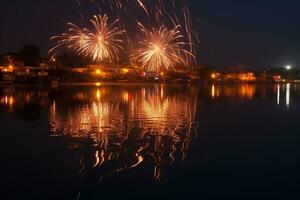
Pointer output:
x,y
81,70
12,60
278,79
240,77
247,77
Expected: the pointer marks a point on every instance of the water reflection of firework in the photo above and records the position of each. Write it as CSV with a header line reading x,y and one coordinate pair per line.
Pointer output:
x,y
102,42
162,127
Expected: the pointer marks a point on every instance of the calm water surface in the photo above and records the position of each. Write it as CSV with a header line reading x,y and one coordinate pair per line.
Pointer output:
x,y
108,141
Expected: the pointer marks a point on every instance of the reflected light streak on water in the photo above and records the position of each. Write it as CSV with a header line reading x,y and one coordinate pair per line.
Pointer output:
x,y
247,91
118,134
9,101
163,121
243,91
278,94
288,94
129,125
213,91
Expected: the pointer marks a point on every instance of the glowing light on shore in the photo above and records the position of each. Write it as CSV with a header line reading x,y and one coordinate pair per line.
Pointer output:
x,y
125,70
98,84
288,67
98,72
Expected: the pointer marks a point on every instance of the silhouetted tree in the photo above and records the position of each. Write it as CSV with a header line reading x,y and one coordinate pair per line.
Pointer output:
x,y
1,60
69,59
30,55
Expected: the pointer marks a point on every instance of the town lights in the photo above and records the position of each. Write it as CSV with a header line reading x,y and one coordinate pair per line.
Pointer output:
x,y
98,72
213,76
8,69
125,70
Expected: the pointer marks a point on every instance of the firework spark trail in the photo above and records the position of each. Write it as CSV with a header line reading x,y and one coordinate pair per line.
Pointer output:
x,y
143,6
173,14
147,5
190,34
161,49
102,42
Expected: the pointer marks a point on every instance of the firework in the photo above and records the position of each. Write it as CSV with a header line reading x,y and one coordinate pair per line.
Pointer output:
x,y
102,42
161,49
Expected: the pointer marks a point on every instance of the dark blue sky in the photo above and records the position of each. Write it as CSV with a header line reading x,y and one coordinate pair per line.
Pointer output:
x,y
257,33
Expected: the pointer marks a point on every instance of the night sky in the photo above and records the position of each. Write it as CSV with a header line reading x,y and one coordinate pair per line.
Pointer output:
x,y
256,33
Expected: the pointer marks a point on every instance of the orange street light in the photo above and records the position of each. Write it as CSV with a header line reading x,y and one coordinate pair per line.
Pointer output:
x,y
125,70
98,84
213,76
98,72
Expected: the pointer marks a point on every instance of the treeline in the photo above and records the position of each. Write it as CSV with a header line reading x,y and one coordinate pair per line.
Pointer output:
x,y
30,56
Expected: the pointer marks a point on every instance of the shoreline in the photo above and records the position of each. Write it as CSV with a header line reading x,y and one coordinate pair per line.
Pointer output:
x,y
112,83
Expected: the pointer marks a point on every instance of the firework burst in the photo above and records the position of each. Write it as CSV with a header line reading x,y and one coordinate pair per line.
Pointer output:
x,y
161,49
102,42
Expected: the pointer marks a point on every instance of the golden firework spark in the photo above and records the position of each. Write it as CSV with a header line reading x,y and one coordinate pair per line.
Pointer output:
x,y
161,49
102,42
117,5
